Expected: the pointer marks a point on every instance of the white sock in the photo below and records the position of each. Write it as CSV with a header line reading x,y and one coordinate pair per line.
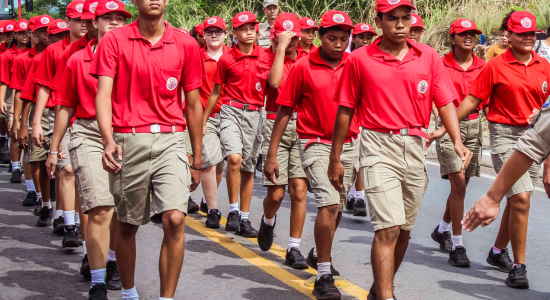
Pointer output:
x,y
294,243
268,222
323,269
16,165
4,136
111,255
84,251
30,186
233,206
58,213
77,218
98,276
47,204
444,226
352,190
314,252
496,250
69,217
360,195
164,298
244,215
457,241
130,294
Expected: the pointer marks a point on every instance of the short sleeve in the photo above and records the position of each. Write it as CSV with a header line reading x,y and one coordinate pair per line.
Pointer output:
x,y
67,93
221,70
263,69
60,69
292,93
193,71
483,85
491,52
106,63
348,92
44,71
18,74
443,91
5,67
29,89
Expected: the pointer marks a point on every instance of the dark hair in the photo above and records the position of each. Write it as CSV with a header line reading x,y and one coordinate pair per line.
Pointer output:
x,y
193,32
504,24
452,45
380,15
323,30
548,31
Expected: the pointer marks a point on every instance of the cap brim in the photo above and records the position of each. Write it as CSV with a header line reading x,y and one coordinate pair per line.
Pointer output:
x,y
298,34
396,6
311,27
75,15
251,22
354,33
126,14
418,26
343,26
88,16
214,25
461,30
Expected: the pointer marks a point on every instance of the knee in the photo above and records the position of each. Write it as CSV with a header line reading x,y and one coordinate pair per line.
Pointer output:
x,y
521,203
387,235
127,230
299,192
459,188
234,161
100,215
66,172
173,219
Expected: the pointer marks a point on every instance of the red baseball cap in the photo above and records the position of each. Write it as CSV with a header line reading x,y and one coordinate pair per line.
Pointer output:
x,y
215,21
385,6
105,7
244,17
182,30
287,22
308,23
43,21
32,23
336,18
199,29
522,21
10,27
88,11
57,26
257,27
21,25
462,25
74,9
363,27
417,21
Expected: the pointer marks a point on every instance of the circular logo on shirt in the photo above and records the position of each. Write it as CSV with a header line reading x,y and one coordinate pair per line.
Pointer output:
x,y
9,27
544,87
93,6
258,86
288,25
364,27
79,7
111,5
61,25
393,2
423,86
243,18
413,20
23,25
526,22
310,22
338,18
466,23
171,83
211,21
45,20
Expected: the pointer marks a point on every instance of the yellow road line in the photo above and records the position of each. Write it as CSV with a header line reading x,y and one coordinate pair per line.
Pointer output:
x,y
345,285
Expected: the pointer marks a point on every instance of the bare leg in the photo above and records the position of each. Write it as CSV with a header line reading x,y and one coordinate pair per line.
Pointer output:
x,y
298,206
247,188
125,243
503,236
171,252
519,217
325,227
383,260
210,186
273,199
232,177
98,232
219,175
44,182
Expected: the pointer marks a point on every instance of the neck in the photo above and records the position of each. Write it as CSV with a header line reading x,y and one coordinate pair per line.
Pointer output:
x,y
503,46
214,49
99,37
524,58
305,46
73,38
270,22
246,49
88,37
462,56
40,47
394,49
151,28
292,55
332,62
20,46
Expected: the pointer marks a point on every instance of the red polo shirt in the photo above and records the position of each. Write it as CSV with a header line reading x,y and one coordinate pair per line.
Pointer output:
x,y
463,79
3,47
148,79
302,51
512,89
70,50
238,74
30,89
310,88
79,88
210,66
6,63
46,67
264,67
393,94
20,69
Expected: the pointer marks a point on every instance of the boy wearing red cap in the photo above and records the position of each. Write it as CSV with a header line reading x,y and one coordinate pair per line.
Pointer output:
x,y
141,124
309,90
512,95
308,31
391,152
213,164
362,35
198,34
417,27
6,37
76,98
273,72
240,118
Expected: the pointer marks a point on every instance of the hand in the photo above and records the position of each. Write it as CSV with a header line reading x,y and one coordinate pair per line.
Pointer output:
x,y
203,130
284,39
195,179
271,169
10,125
23,137
465,154
3,108
109,163
484,211
60,153
37,134
336,173
546,176
481,50
435,135
533,116
51,164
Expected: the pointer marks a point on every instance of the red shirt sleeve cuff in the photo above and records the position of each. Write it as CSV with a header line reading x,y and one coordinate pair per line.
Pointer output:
x,y
193,86
446,101
65,103
107,73
285,103
42,82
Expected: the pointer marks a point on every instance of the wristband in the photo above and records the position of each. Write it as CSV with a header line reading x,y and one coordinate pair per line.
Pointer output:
x,y
52,152
195,168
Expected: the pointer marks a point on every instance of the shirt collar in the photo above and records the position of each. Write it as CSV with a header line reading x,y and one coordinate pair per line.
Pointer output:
x,y
374,50
89,54
225,49
66,42
167,37
449,61
238,54
33,51
509,58
83,42
3,47
315,57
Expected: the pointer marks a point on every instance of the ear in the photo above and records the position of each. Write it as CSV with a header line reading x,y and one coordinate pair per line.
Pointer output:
x,y
94,22
378,22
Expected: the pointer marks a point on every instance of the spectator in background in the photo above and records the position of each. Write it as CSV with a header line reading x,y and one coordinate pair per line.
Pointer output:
x,y
417,27
271,11
198,33
497,50
542,47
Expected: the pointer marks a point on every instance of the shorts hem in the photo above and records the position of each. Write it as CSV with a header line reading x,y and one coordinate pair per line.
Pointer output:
x,y
389,225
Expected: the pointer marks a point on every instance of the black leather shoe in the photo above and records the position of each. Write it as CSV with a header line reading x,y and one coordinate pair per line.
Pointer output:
x,y
518,277
246,230
45,216
16,176
203,207
192,207
502,261
295,259
360,208
233,219
324,288
312,262
98,292
458,258
443,239
30,199
112,278
213,219
70,237
59,226
265,235
85,267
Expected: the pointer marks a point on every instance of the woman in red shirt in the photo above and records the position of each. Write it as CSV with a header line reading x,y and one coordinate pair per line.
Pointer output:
x,y
514,84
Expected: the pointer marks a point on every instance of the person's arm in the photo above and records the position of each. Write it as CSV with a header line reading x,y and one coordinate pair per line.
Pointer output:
x,y
486,208
104,116
271,165
546,176
23,137
3,90
194,117
482,52
344,116
62,118
435,111
212,101
17,106
41,100
276,73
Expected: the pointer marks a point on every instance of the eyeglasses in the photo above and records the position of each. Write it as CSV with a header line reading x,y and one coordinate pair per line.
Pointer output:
x,y
215,32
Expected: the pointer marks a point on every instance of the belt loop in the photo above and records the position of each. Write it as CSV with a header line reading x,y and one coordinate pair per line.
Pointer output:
x,y
318,139
173,129
133,130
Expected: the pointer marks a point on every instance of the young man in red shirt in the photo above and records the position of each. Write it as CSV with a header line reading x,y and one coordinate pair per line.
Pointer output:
x,y
6,38
141,124
309,90
240,118
308,31
391,151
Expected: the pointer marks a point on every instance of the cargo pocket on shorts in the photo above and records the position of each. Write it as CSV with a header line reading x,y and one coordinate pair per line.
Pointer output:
x,y
78,158
184,174
371,176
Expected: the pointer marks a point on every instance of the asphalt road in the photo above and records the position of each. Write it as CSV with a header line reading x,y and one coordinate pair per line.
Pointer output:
x,y
225,266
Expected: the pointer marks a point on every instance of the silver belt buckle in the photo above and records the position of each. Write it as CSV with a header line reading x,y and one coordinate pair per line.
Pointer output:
x,y
294,116
155,128
245,106
404,131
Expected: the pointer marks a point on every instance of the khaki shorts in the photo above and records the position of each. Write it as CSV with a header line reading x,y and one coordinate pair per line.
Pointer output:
x,y
9,99
62,163
535,142
503,139
211,148
40,153
86,154
472,138
288,155
155,160
239,135
187,141
395,179
315,160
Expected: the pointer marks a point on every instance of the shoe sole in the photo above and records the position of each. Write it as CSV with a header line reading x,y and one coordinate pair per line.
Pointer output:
x,y
296,266
71,244
231,229
360,213
522,285
370,297
114,288
332,296
458,265
43,224
215,226
441,249
28,203
253,235
500,268
16,181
